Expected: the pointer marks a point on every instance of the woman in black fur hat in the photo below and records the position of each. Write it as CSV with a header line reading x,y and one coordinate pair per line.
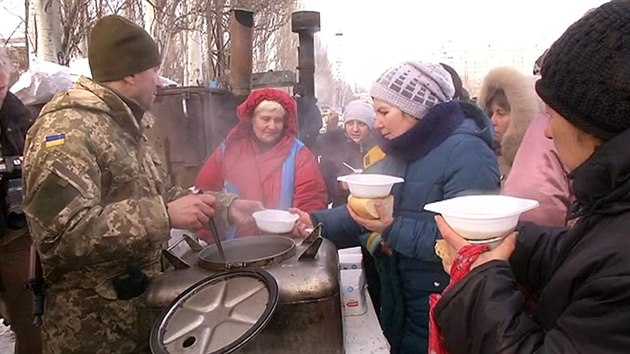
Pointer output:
x,y
581,276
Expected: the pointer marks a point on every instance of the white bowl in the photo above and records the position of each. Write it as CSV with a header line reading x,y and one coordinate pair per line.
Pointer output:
x,y
370,185
491,243
275,221
482,217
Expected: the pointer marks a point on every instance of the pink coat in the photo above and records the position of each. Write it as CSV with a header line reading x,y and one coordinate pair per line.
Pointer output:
x,y
538,174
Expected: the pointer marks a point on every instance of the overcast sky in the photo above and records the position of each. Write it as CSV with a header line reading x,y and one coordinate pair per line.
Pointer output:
x,y
377,36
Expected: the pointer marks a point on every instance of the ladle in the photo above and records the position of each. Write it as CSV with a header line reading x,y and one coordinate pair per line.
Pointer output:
x,y
215,232
217,238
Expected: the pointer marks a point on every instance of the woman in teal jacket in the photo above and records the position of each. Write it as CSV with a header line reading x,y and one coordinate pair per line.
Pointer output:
x,y
442,148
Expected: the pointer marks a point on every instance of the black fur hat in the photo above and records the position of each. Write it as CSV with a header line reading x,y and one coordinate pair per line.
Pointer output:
x,y
585,75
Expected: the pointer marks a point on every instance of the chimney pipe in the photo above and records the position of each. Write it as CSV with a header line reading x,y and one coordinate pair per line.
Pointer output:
x,y
306,24
241,55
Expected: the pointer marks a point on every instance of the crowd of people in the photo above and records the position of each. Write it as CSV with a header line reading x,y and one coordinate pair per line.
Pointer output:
x,y
98,205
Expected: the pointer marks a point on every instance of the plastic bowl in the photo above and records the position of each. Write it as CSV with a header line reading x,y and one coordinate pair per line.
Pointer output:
x,y
491,243
482,217
275,221
370,185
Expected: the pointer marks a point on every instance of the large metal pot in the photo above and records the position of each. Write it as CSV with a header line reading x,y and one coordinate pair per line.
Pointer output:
x,y
307,318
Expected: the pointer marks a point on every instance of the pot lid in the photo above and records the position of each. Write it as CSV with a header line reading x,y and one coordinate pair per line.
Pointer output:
x,y
219,314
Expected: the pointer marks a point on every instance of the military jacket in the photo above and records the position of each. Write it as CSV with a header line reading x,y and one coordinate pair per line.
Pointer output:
x,y
95,191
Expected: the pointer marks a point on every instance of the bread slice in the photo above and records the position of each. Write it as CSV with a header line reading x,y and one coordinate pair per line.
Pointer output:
x,y
365,206
442,250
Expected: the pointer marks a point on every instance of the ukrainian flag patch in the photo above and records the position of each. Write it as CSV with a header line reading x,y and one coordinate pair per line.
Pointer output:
x,y
55,140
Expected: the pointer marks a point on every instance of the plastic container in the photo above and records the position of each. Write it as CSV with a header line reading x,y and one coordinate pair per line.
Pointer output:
x,y
350,250
482,217
370,185
350,261
353,292
275,221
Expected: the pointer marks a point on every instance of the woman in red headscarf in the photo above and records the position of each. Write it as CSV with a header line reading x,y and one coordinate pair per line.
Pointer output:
x,y
261,159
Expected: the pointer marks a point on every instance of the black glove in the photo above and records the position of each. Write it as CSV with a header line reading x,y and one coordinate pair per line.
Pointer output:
x,y
130,284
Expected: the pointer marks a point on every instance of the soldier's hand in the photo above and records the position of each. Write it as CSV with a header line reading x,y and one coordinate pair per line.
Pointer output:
x,y
241,211
192,211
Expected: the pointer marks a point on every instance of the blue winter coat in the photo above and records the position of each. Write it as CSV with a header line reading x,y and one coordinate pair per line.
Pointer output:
x,y
462,163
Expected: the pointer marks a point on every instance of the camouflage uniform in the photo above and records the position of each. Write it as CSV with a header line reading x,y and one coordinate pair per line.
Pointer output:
x,y
95,203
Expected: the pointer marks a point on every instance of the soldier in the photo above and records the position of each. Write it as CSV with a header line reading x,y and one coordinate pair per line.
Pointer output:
x,y
15,241
97,199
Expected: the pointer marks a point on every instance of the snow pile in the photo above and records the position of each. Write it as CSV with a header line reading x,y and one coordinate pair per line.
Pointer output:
x,y
44,79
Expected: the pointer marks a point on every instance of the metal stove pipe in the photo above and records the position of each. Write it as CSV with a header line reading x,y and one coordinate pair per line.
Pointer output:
x,y
241,52
306,24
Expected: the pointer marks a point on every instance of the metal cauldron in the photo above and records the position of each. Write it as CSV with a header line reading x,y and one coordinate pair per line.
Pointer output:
x,y
282,297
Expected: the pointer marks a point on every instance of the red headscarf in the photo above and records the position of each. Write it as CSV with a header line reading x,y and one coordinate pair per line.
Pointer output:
x,y
245,112
243,154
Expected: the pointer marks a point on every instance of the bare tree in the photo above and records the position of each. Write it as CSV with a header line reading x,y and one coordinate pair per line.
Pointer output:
x,y
193,30
46,20
76,19
57,29
324,79
273,36
193,74
217,15
330,89
286,43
